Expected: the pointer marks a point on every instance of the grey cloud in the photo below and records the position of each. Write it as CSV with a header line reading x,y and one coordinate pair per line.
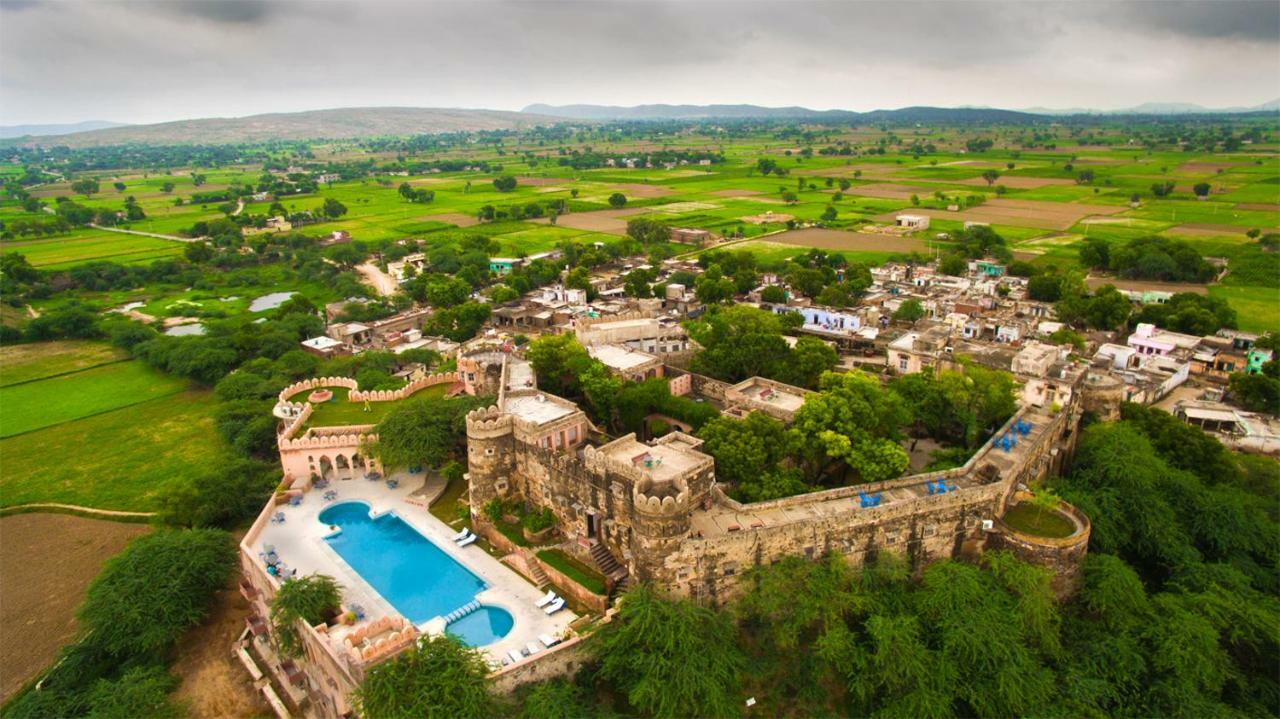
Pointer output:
x,y
169,60
225,11
1250,20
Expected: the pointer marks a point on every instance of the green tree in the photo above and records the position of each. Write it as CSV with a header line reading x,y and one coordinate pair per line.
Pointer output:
x,y
990,176
85,186
506,183
311,599
617,199
333,209
424,432
671,657
738,342
161,585
909,311
646,231
557,361
437,678
851,424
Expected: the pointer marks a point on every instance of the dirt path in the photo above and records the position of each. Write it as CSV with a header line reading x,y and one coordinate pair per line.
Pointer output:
x,y
239,206
47,562
380,281
104,513
215,683
123,231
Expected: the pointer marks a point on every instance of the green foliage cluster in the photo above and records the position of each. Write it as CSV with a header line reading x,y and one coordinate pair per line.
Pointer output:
x,y
311,599
671,657
958,408
424,432
1148,258
740,342
437,678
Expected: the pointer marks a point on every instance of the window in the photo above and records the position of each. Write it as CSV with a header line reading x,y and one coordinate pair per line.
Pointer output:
x,y
902,364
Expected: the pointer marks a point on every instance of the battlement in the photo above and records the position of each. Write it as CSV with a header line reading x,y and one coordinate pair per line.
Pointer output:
x,y
317,383
356,435
488,422
666,498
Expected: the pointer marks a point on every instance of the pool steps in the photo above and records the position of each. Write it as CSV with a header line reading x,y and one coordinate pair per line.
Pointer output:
x,y
461,612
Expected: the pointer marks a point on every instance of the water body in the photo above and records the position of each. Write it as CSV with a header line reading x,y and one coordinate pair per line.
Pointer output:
x,y
270,302
195,328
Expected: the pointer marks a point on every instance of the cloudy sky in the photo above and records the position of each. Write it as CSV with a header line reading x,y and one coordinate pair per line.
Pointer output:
x,y
150,61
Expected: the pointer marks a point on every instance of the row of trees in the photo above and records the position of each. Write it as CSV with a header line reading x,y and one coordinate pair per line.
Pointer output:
x,y
1147,258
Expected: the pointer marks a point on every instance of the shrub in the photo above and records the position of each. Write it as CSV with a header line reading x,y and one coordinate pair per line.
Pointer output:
x,y
538,521
437,677
221,498
310,599
158,587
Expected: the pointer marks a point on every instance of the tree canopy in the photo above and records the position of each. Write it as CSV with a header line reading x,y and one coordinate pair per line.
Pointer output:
x,y
424,432
437,678
671,657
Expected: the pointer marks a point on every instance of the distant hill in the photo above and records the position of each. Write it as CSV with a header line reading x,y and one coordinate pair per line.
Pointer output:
x,y
1158,108
739,112
7,131
681,112
338,124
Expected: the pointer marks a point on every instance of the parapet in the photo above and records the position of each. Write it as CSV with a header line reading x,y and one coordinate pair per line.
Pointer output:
x,y
666,498
488,422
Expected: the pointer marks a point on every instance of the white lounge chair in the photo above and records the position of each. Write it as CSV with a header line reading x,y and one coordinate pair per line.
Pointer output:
x,y
515,655
461,535
469,540
546,599
547,640
555,606
533,648
464,537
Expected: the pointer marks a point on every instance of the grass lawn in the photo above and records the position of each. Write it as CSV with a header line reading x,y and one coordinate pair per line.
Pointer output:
x,y
114,460
27,362
589,578
340,412
1027,518
445,508
1257,308
66,397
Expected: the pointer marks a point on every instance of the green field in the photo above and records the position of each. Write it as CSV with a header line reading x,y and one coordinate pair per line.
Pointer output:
x,y
114,460
84,425
27,362
92,245
66,397
884,178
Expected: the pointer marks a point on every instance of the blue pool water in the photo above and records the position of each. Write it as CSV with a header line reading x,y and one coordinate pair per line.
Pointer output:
x,y
410,572
485,625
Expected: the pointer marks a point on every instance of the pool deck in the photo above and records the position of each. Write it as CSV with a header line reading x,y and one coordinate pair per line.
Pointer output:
x,y
299,542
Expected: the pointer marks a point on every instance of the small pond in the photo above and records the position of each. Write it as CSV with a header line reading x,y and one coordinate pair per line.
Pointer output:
x,y
1030,519
195,328
269,302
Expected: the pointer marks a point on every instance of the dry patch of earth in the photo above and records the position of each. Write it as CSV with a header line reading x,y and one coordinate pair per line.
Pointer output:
x,y
47,562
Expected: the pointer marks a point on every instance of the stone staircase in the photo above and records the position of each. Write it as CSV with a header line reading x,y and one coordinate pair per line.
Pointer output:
x,y
539,577
604,559
619,587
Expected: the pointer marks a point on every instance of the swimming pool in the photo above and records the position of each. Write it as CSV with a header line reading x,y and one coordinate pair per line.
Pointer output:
x,y
407,569
485,625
